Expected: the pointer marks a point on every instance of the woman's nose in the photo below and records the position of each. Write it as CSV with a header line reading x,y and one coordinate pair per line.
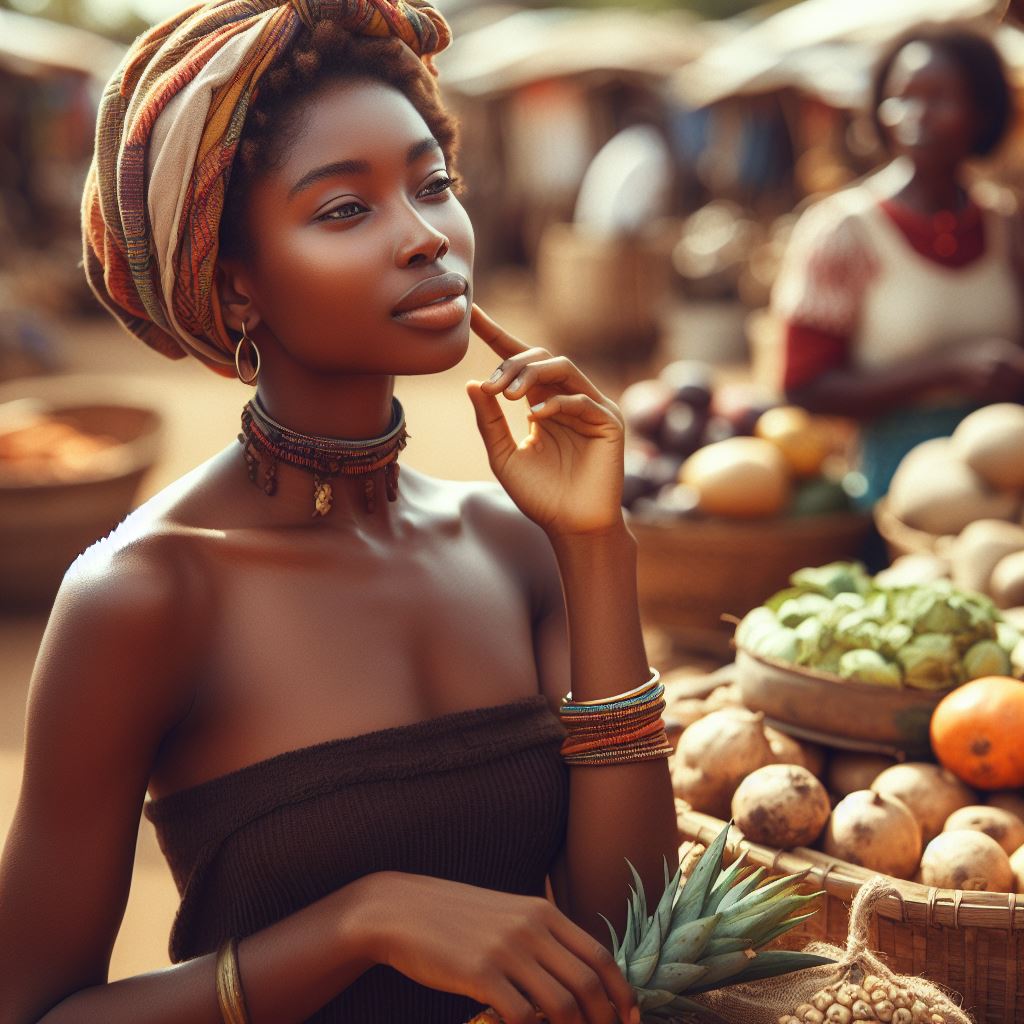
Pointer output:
x,y
423,243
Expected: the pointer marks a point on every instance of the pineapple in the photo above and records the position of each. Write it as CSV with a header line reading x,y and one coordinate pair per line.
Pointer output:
x,y
704,935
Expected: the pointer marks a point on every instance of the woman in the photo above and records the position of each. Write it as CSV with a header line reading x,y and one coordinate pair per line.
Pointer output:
x,y
337,689
901,296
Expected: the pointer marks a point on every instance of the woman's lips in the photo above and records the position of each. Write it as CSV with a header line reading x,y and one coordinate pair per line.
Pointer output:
x,y
441,315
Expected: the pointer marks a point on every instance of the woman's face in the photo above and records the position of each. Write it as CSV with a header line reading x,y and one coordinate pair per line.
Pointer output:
x,y
363,255
928,111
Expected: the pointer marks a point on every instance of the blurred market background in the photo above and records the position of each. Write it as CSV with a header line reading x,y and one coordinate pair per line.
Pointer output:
x,y
633,175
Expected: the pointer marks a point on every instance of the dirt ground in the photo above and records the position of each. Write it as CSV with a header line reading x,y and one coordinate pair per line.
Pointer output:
x,y
201,416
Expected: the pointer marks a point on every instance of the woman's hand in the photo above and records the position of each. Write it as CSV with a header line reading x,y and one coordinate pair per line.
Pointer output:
x,y
986,370
514,953
566,475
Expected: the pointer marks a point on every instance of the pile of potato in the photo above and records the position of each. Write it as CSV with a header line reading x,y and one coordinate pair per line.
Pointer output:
x,y
968,490
914,821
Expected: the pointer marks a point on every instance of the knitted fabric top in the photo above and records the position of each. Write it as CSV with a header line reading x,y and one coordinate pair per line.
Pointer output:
x,y
479,797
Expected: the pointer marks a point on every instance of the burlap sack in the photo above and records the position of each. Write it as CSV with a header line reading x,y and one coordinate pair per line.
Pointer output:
x,y
766,1002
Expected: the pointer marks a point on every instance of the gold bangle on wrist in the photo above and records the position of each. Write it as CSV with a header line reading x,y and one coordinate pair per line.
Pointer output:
x,y
230,996
644,687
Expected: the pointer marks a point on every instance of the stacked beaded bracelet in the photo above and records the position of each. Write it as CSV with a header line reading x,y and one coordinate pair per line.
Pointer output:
x,y
616,730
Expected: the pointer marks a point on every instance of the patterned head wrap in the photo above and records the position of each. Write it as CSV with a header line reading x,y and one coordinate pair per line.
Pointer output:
x,y
169,125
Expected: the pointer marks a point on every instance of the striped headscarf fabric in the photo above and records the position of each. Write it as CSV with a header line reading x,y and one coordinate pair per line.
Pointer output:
x,y
168,129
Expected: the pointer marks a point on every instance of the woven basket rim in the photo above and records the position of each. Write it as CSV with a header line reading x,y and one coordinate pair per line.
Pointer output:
x,y
825,524
914,903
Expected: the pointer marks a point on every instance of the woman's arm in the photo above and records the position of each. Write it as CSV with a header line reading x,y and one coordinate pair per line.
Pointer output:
x,y
984,370
107,688
567,477
615,811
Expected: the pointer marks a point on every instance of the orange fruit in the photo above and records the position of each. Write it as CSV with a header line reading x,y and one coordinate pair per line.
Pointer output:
x,y
803,441
977,729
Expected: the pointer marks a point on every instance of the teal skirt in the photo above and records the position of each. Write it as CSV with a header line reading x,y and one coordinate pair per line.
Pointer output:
x,y
885,441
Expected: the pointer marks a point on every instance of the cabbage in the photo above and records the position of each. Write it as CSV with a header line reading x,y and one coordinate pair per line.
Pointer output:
x,y
986,658
864,666
754,625
833,579
1017,660
813,638
1007,636
796,609
781,644
930,661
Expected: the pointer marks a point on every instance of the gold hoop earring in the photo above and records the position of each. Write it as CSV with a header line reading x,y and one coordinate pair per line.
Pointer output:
x,y
238,358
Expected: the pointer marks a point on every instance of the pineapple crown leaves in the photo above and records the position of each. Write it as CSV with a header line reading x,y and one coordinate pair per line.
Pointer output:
x,y
707,933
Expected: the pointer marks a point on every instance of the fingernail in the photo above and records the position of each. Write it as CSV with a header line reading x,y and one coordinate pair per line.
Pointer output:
x,y
515,385
495,377
537,407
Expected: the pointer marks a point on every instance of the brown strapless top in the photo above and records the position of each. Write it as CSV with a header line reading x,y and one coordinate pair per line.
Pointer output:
x,y
479,797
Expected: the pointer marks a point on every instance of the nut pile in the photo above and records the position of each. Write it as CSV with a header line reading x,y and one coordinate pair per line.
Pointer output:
x,y
874,999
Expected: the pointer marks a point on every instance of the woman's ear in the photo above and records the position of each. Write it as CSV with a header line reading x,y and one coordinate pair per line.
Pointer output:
x,y
235,294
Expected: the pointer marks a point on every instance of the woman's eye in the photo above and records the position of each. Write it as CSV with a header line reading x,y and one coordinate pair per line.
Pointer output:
x,y
344,212
438,186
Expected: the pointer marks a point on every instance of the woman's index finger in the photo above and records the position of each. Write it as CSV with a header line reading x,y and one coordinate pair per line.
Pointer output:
x,y
497,337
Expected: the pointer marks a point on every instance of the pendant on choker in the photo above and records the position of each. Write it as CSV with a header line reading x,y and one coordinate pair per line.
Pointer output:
x,y
265,442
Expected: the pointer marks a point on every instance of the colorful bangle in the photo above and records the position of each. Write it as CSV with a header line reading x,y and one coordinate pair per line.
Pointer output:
x,y
230,996
620,729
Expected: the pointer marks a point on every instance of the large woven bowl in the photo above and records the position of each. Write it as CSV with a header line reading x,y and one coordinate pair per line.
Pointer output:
x,y
45,525
838,712
970,942
694,572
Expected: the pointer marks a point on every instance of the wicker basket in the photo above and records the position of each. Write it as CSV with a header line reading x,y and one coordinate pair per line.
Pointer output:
x,y
969,942
692,573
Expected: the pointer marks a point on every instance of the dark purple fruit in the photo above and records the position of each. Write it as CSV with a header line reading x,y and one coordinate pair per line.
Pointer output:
x,y
691,382
643,407
682,429
718,428
662,470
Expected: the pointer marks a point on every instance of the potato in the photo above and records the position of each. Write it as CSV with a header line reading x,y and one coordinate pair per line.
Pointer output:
x,y
781,805
1006,584
791,751
849,771
931,793
1005,828
1017,864
715,754
932,490
875,831
686,711
980,546
991,442
913,570
964,859
728,696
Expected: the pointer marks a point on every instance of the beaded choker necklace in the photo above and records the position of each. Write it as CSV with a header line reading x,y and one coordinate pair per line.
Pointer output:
x,y
266,442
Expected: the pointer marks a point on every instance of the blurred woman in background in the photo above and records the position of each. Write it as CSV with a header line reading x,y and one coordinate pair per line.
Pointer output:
x,y
900,296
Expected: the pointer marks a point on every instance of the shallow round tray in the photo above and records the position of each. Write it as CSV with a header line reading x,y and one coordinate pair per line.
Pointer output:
x,y
44,524
837,712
